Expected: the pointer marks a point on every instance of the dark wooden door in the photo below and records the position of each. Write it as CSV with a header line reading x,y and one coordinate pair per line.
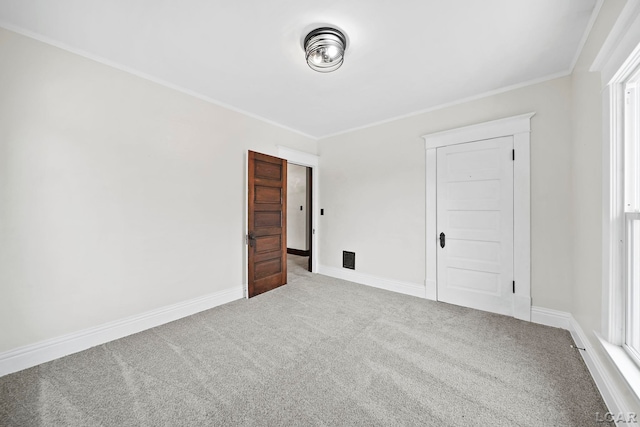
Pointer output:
x,y
267,223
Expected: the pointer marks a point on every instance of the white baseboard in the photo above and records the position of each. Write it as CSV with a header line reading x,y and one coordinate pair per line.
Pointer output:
x,y
407,288
606,385
626,366
51,349
548,317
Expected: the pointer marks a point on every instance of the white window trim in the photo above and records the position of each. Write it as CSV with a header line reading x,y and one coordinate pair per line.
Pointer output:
x,y
619,56
519,127
612,216
613,179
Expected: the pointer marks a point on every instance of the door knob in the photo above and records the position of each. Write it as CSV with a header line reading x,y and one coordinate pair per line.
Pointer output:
x,y
252,238
442,240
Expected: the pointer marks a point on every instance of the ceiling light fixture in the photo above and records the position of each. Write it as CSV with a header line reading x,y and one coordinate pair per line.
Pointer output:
x,y
324,48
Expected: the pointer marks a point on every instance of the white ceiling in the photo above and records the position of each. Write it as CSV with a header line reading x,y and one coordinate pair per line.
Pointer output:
x,y
402,57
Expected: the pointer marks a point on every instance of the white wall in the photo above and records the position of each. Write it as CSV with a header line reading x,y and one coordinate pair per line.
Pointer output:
x,y
587,174
117,195
373,189
296,197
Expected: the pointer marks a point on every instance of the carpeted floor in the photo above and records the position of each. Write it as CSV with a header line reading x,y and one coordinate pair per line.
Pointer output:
x,y
318,351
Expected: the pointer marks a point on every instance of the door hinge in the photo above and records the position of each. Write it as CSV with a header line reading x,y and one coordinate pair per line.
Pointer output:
x,y
513,154
514,287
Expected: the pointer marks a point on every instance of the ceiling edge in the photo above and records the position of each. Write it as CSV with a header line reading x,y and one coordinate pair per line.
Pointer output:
x,y
453,103
587,32
117,66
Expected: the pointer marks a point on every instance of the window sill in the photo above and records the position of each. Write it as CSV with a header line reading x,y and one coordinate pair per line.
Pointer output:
x,y
626,366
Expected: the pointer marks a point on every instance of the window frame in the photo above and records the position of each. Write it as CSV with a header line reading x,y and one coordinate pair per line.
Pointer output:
x,y
617,200
614,230
617,59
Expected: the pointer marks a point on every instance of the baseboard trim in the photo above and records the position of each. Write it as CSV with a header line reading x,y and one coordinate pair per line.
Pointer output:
x,y
406,288
548,317
606,385
51,349
299,252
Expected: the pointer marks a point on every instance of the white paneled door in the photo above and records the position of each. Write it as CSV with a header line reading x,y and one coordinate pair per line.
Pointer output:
x,y
475,224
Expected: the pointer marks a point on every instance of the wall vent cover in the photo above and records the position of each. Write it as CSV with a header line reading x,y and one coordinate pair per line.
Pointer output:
x,y
349,260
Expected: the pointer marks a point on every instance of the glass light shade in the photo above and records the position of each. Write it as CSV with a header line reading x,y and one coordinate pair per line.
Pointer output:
x,y
324,49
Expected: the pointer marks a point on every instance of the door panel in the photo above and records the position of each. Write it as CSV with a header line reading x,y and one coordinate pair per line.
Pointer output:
x,y
475,214
268,194
267,223
270,218
268,244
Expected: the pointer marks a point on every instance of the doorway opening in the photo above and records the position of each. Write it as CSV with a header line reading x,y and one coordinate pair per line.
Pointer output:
x,y
310,161
300,216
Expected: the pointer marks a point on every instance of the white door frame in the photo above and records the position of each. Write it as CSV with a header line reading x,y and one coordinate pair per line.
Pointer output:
x,y
519,127
309,160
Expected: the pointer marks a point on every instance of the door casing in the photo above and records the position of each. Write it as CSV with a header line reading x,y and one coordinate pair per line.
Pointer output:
x,y
519,127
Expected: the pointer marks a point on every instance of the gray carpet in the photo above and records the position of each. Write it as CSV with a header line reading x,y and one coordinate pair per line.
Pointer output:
x,y
318,351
